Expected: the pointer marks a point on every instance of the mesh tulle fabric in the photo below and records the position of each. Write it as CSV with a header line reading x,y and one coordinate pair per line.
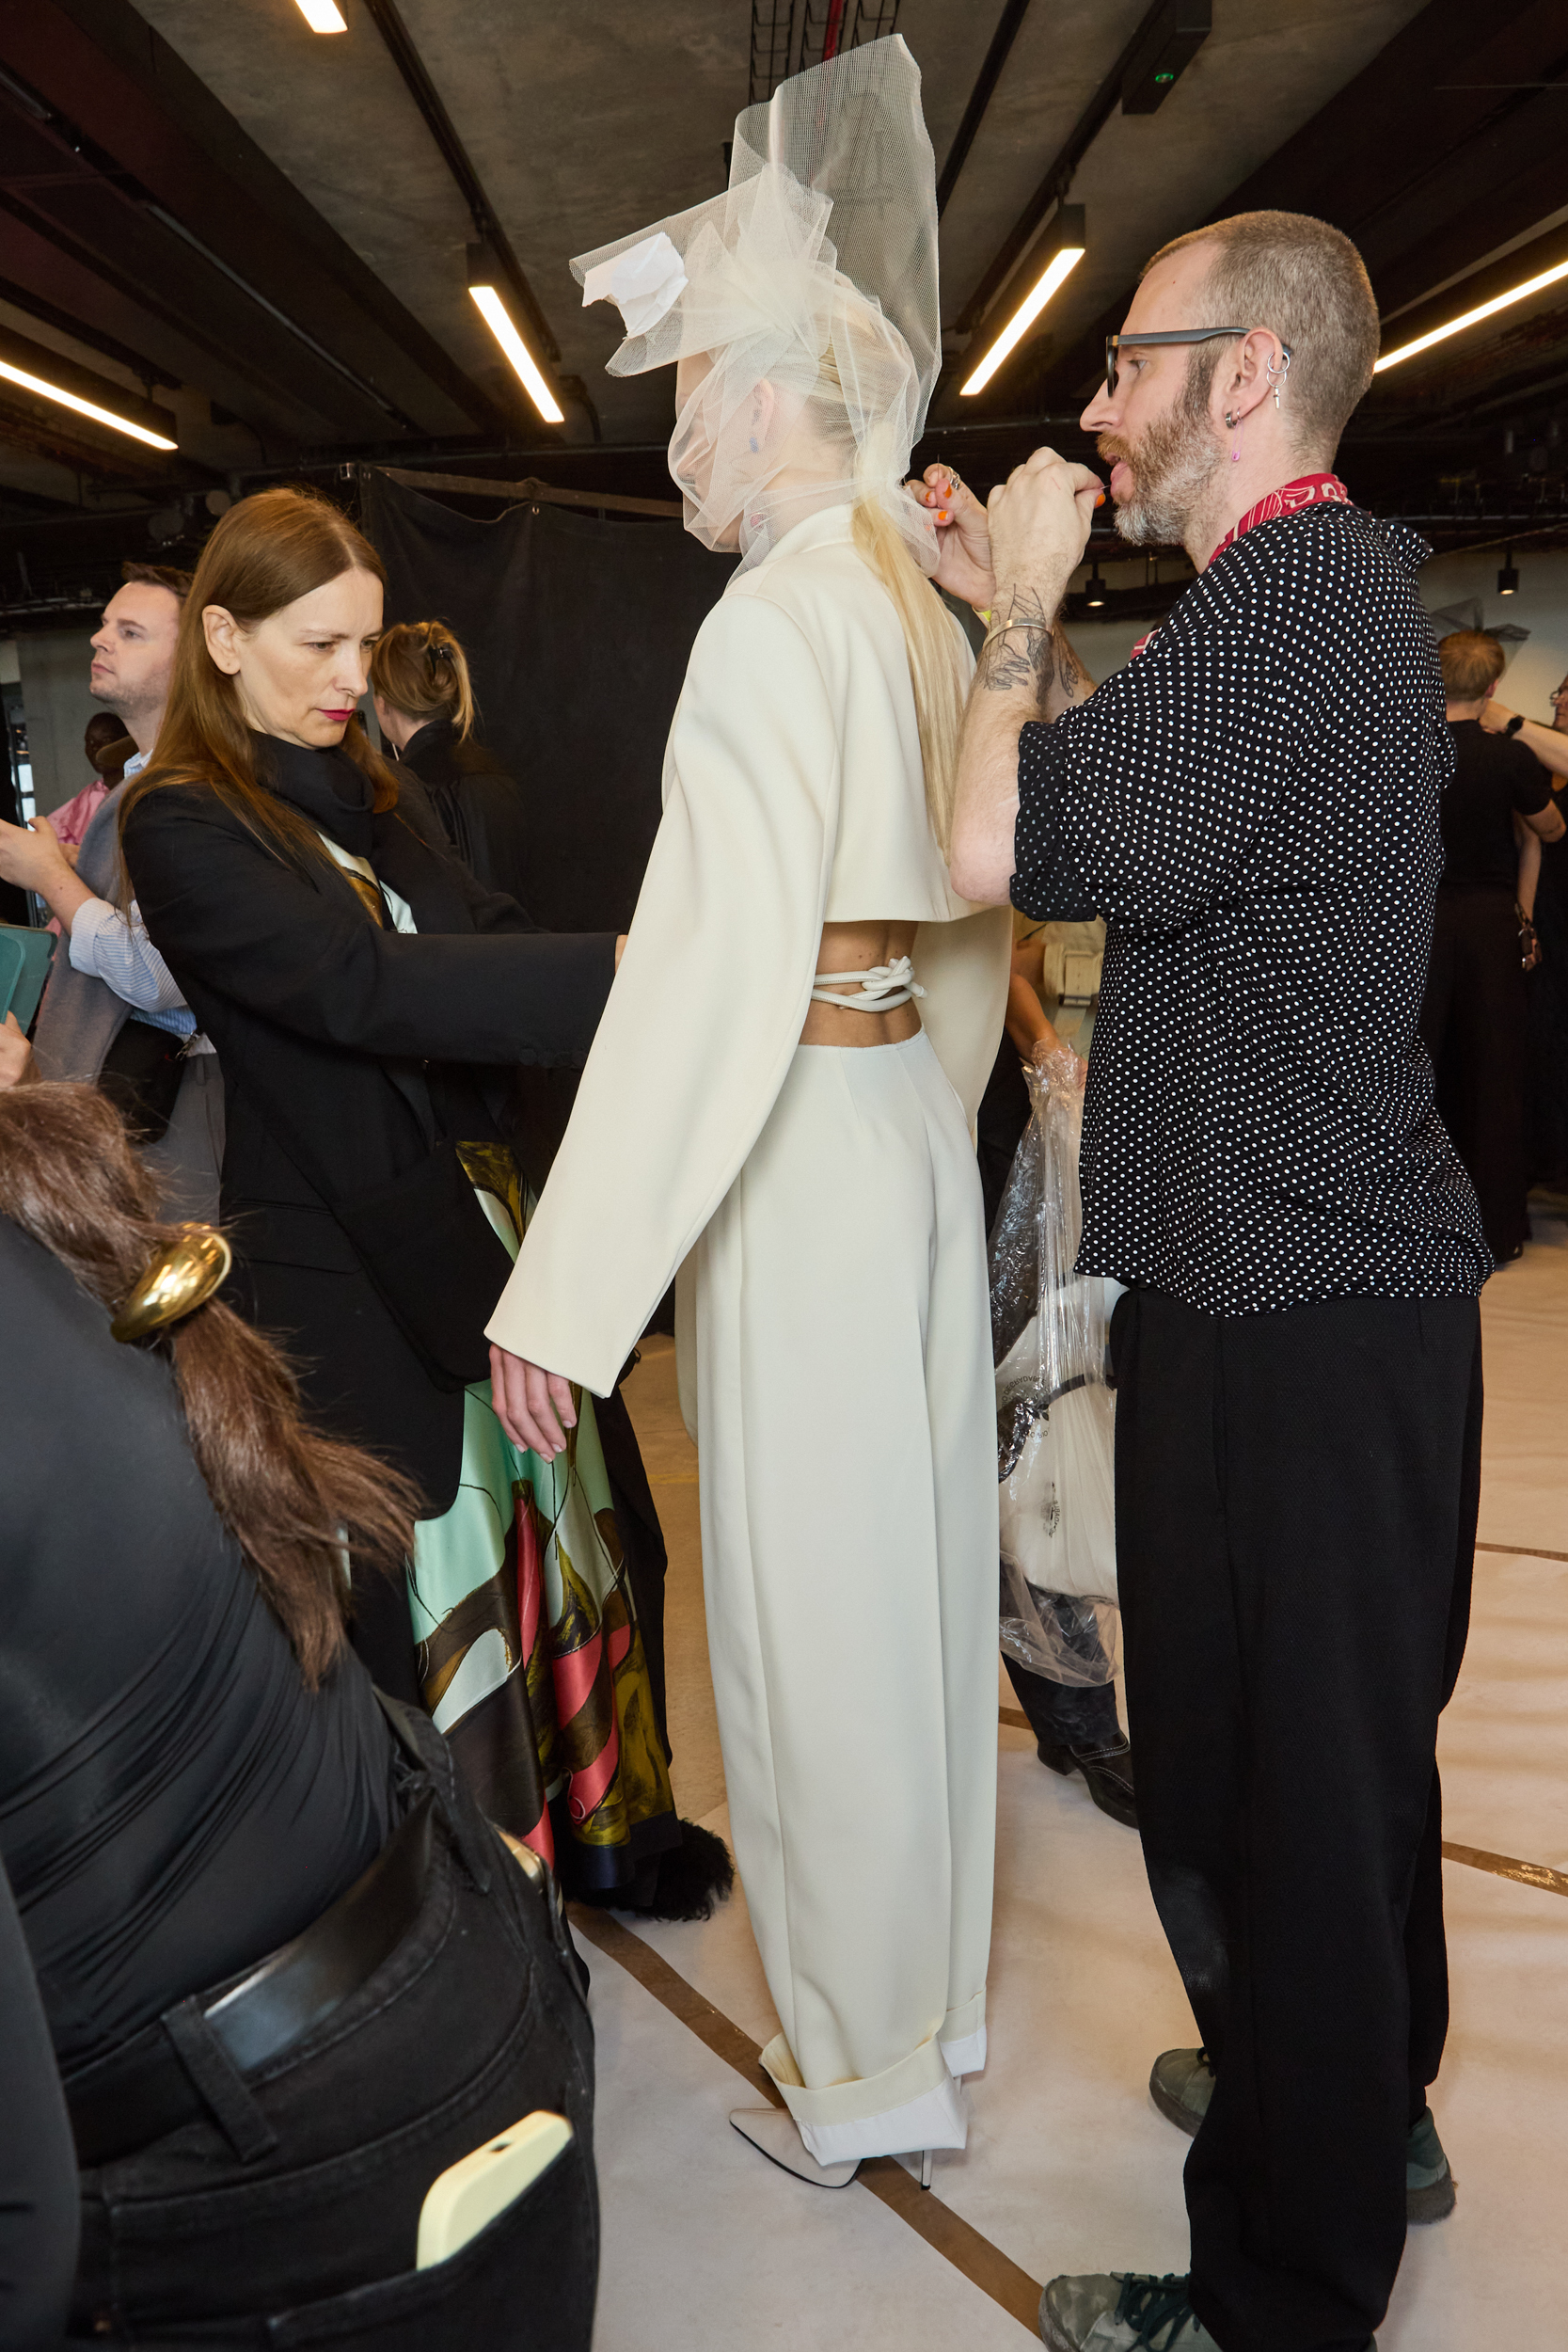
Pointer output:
x,y
814,274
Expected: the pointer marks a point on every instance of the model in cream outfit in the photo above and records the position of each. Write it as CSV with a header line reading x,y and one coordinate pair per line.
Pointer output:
x,y
824,1204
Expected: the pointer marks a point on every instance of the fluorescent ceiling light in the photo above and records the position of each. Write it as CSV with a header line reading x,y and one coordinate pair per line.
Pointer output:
x,y
492,309
83,408
323,16
1061,264
1484,311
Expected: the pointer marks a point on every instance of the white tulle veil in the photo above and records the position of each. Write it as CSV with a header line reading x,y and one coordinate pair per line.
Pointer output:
x,y
813,274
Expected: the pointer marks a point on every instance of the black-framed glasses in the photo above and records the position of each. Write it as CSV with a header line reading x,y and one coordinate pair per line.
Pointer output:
x,y
1174,335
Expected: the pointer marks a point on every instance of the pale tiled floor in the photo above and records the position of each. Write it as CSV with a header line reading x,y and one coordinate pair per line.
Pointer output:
x,y
1067,2165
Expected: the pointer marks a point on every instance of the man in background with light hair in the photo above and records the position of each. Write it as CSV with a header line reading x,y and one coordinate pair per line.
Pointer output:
x,y
1252,804
113,1014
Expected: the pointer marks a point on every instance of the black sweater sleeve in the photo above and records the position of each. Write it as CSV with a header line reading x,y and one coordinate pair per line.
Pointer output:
x,y
38,2207
230,910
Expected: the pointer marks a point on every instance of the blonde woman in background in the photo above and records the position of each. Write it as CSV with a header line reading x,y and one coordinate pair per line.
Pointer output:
x,y
425,708
781,1095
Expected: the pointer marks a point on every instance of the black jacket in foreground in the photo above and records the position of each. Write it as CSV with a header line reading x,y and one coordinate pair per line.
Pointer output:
x,y
478,808
354,1060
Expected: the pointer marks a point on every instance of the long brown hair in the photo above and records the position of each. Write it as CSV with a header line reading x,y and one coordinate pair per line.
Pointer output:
x,y
267,552
421,670
295,1502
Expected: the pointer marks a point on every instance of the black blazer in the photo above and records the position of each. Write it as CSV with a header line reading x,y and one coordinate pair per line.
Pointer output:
x,y
479,807
342,1045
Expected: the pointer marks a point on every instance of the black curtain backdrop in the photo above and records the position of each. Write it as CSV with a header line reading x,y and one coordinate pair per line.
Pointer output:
x,y
577,632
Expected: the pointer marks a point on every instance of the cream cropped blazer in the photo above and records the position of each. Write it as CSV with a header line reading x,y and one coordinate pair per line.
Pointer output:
x,y
793,796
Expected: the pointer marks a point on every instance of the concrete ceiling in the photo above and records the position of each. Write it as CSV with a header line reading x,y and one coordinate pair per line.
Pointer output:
x,y
256,228
584,124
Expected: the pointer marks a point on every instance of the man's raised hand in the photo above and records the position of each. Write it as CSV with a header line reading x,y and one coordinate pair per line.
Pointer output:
x,y
1039,526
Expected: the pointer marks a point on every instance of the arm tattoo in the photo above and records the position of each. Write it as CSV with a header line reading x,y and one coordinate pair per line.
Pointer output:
x,y
1021,656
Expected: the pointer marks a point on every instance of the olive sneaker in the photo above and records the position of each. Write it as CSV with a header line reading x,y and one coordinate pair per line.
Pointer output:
x,y
1182,2082
1122,2313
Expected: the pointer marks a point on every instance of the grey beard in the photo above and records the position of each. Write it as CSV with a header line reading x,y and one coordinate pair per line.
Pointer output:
x,y
1159,514
1175,466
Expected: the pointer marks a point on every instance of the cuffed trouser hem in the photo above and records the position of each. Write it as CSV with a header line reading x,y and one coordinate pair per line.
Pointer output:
x,y
912,2104
962,2037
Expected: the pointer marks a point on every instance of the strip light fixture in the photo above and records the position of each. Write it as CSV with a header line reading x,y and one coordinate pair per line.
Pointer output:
x,y
1067,238
1482,310
482,273
324,16
83,408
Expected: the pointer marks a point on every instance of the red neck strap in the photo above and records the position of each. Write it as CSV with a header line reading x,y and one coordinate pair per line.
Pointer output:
x,y
1310,490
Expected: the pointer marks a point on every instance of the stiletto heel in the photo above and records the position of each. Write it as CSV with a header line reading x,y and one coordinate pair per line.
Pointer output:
x,y
925,2168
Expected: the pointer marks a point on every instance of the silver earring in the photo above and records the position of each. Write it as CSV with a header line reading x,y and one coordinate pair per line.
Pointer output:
x,y
1281,372
1230,420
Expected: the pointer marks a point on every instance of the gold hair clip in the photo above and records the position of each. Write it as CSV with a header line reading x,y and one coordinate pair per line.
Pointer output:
x,y
181,1278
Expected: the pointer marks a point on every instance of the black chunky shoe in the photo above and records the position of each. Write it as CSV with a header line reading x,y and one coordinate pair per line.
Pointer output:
x,y
1107,1774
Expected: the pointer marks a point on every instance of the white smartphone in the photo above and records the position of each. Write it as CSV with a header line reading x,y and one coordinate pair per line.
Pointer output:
x,y
469,2194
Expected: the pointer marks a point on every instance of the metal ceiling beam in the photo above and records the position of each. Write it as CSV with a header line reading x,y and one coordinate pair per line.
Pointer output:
x,y
1058,178
399,42
1007,24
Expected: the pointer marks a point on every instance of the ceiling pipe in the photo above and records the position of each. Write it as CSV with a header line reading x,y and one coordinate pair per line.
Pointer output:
x,y
980,97
1053,186
387,18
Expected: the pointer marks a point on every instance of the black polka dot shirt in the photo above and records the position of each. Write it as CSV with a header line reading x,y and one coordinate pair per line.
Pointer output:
x,y
1252,806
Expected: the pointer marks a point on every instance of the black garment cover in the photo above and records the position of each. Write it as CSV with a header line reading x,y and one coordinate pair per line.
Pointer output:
x,y
344,1046
478,808
1296,1501
577,630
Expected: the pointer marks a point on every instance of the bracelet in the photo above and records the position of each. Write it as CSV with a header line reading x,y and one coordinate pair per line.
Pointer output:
x,y
1002,628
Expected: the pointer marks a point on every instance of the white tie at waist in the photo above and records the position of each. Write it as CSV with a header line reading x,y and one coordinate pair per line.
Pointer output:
x,y
883,988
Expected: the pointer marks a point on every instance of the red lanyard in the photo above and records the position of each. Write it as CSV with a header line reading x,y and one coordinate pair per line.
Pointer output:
x,y
1310,490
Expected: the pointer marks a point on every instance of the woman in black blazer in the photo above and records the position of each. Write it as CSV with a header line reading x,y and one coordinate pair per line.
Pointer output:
x,y
370,1004
424,707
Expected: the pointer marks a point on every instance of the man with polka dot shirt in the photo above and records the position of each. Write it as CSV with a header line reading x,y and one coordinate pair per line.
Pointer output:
x,y
1252,806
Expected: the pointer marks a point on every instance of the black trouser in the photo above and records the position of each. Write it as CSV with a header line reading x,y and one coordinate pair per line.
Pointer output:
x,y
473,2021
1475,1025
1296,1499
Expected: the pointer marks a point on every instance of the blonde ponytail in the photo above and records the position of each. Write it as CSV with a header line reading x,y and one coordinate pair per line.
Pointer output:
x,y
930,641
420,669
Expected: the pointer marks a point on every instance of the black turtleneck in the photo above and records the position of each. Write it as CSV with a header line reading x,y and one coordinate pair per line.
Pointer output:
x,y
324,786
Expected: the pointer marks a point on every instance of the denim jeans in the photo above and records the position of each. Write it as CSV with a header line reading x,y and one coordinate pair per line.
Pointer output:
x,y
475,2020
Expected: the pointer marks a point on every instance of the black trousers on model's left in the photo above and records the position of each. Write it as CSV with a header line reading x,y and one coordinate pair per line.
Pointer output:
x,y
1296,1499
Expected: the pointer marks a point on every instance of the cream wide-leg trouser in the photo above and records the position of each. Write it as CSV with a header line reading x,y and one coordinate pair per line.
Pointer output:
x,y
848,1474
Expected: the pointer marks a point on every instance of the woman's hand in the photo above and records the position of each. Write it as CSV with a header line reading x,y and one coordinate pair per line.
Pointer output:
x,y
534,1406
963,536
17,1067
1494,715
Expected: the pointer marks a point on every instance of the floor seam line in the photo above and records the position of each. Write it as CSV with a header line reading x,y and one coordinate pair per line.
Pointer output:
x,y
1501,1865
972,2254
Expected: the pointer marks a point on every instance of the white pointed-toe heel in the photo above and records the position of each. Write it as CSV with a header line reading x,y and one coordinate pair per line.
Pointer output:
x,y
775,2132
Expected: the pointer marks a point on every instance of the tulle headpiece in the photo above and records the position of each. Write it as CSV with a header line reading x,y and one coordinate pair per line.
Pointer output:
x,y
816,274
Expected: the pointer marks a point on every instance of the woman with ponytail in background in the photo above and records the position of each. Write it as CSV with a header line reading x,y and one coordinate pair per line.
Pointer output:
x,y
424,707
779,1098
